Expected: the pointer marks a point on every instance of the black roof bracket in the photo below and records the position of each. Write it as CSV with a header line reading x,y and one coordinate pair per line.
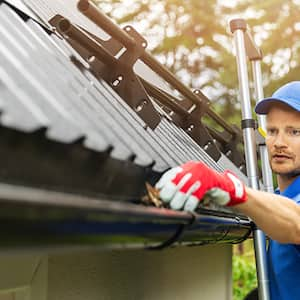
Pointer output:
x,y
118,72
197,130
113,61
189,121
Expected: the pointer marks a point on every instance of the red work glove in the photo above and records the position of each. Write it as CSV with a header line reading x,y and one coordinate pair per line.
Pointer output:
x,y
183,187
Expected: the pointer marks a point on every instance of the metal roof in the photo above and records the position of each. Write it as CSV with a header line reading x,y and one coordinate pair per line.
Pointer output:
x,y
68,131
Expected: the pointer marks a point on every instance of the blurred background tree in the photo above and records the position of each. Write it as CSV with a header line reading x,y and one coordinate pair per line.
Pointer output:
x,y
192,39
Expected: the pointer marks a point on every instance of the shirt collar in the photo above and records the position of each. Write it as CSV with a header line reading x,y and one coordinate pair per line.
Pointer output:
x,y
293,189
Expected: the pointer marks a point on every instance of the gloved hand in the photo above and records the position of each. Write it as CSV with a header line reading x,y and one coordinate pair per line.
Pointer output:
x,y
183,187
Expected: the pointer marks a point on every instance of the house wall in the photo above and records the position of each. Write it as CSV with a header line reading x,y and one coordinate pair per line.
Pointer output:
x,y
179,273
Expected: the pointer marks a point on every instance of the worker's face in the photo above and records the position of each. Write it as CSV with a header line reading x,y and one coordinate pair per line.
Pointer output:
x,y
283,140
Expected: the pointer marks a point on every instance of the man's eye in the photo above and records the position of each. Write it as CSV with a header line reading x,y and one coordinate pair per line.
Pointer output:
x,y
294,132
271,132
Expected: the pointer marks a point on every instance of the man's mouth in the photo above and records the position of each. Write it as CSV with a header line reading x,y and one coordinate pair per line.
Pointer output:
x,y
280,157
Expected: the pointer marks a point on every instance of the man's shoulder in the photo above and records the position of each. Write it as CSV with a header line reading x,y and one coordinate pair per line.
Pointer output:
x,y
297,198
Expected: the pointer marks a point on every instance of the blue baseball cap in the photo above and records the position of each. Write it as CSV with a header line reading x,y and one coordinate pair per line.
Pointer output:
x,y
288,94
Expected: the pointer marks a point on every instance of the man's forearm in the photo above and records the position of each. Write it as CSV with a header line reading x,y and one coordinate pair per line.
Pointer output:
x,y
277,216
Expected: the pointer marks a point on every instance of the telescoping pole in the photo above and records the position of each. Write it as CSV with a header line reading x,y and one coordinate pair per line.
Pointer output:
x,y
238,28
265,165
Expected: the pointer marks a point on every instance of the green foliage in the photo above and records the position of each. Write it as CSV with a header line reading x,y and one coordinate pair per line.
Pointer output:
x,y
244,276
192,39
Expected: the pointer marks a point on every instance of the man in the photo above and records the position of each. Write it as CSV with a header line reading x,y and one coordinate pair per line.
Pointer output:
x,y
278,215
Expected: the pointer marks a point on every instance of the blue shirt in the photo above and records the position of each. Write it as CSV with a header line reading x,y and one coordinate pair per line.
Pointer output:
x,y
284,259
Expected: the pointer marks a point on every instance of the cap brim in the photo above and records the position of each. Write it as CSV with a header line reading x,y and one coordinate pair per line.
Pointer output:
x,y
263,106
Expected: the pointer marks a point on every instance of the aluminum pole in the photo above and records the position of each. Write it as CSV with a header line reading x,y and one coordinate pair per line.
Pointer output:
x,y
238,28
259,94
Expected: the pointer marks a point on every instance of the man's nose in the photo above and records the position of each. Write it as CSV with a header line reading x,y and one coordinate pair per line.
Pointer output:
x,y
280,140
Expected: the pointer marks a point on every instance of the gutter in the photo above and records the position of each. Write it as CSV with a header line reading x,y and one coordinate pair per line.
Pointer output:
x,y
39,219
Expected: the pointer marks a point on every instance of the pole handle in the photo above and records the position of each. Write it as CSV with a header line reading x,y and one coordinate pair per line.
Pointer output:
x,y
252,50
238,24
